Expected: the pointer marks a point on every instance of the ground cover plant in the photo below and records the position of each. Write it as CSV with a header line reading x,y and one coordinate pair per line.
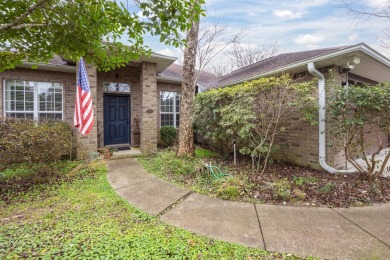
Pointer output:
x,y
283,183
75,214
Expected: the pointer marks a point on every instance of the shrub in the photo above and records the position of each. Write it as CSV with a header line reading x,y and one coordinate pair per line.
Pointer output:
x,y
168,135
327,188
33,142
229,192
281,189
299,194
299,181
360,115
254,114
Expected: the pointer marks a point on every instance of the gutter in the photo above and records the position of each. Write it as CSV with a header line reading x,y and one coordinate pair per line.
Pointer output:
x,y
321,121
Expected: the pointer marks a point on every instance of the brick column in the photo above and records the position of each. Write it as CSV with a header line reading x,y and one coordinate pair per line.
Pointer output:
x,y
89,143
149,104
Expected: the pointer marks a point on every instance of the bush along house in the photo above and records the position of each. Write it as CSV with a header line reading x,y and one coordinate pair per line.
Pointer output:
x,y
131,103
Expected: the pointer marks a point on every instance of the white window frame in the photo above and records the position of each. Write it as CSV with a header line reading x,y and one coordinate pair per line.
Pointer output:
x,y
174,112
36,109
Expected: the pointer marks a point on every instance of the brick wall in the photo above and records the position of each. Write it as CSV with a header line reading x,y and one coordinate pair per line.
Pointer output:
x,y
89,143
149,107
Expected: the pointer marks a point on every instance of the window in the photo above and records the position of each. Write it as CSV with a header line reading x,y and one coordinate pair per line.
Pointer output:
x,y
29,99
116,87
169,108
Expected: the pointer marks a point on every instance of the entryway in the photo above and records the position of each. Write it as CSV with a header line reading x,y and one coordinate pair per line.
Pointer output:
x,y
116,119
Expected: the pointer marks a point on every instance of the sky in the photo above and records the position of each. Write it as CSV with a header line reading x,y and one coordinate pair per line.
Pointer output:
x,y
296,25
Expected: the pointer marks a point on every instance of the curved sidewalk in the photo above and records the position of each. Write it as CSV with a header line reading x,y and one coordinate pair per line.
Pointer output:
x,y
356,233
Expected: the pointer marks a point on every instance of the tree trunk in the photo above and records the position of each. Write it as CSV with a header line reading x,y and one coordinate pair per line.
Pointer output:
x,y
186,136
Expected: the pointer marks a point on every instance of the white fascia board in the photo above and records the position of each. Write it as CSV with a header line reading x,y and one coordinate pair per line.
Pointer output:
x,y
174,80
170,80
361,46
161,56
50,67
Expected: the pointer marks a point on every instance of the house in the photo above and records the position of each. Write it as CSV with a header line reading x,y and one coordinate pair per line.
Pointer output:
x,y
131,103
355,64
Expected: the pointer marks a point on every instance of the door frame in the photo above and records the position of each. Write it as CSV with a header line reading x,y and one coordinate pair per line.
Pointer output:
x,y
130,115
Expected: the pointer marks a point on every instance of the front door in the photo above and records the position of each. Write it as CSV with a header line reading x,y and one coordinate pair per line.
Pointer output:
x,y
116,120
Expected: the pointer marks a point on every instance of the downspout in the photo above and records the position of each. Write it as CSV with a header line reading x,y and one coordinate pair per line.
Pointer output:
x,y
321,121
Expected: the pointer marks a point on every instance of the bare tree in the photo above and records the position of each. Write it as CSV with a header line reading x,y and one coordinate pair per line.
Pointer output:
x,y
246,54
243,55
213,40
379,10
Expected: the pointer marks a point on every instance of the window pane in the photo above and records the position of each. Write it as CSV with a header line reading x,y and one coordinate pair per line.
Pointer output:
x,y
177,120
49,116
178,103
48,100
58,102
166,119
29,106
117,87
29,96
19,100
167,99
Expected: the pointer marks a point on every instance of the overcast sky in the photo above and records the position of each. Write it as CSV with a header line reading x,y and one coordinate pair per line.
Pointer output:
x,y
296,25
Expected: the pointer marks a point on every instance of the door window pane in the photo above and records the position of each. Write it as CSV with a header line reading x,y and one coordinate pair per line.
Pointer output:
x,y
116,87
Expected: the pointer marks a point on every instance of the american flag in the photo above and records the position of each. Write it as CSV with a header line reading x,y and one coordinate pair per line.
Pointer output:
x,y
83,114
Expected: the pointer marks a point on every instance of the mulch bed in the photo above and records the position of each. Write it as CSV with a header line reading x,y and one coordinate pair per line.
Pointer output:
x,y
310,187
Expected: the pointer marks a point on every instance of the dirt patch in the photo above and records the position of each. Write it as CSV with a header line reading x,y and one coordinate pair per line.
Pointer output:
x,y
295,185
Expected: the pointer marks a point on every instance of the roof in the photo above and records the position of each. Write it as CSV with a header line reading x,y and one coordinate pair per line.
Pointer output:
x,y
59,63
282,63
297,62
175,73
273,63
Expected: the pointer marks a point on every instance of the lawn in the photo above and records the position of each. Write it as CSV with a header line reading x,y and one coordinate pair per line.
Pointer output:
x,y
69,210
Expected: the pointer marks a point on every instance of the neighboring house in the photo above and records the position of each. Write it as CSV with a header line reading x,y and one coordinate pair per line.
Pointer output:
x,y
131,103
355,64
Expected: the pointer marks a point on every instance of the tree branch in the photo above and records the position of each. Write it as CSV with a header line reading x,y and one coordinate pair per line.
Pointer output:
x,y
17,21
26,25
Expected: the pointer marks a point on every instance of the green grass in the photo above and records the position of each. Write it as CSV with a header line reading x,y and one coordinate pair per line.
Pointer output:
x,y
78,215
190,172
204,153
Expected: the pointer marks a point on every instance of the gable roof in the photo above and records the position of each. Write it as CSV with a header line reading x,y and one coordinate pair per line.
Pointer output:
x,y
175,73
297,62
273,63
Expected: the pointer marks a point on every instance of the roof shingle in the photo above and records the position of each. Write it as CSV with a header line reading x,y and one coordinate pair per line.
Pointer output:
x,y
273,63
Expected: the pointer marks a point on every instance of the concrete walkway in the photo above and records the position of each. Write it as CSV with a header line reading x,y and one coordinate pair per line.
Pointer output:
x,y
355,233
